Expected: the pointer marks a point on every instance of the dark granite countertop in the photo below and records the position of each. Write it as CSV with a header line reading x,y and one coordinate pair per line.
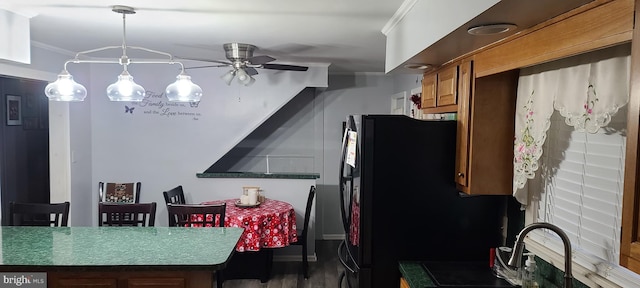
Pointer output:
x,y
259,175
414,273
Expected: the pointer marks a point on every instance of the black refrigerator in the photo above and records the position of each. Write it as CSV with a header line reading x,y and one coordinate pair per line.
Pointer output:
x,y
399,201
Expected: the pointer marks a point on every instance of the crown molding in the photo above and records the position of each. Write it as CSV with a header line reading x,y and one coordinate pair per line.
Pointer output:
x,y
398,16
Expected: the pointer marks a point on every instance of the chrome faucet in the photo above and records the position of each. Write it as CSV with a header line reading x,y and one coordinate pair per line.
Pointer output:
x,y
516,256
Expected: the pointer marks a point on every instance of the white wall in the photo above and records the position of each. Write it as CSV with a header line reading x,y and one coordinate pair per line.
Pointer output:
x,y
346,95
288,137
164,144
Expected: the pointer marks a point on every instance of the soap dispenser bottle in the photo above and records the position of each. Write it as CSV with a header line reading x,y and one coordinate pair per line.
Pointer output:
x,y
528,274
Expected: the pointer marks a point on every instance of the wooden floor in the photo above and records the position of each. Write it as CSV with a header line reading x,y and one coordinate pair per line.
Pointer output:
x,y
323,273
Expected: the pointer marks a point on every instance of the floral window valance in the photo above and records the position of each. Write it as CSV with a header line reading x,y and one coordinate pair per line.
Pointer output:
x,y
586,89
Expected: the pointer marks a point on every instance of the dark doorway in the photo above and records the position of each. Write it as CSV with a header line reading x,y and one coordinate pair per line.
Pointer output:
x,y
24,147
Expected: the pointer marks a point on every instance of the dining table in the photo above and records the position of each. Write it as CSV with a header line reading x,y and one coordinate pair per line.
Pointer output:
x,y
268,225
271,224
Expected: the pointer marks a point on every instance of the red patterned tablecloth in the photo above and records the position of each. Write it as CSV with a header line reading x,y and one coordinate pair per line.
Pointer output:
x,y
354,228
270,225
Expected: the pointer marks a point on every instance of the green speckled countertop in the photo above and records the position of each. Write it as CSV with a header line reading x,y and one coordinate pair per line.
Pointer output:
x,y
414,273
259,175
175,247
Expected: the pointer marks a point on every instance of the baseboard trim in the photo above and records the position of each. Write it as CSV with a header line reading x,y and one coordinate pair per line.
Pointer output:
x,y
333,237
294,258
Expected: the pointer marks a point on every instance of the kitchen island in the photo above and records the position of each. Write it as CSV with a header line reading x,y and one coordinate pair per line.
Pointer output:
x,y
119,256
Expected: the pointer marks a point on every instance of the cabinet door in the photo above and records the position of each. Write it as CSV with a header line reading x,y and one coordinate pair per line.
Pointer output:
x,y
447,86
465,90
486,123
429,91
491,125
157,282
85,283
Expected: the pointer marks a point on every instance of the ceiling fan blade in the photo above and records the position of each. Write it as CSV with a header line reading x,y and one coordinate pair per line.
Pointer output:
x,y
261,59
206,66
284,67
251,71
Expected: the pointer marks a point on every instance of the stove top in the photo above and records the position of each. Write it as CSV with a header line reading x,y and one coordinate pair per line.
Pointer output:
x,y
463,274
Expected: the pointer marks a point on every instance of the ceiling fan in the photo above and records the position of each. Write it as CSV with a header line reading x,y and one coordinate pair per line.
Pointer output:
x,y
243,64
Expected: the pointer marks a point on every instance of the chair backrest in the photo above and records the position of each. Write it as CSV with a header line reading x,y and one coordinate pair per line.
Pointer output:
x,y
39,214
195,215
174,196
119,192
307,211
126,214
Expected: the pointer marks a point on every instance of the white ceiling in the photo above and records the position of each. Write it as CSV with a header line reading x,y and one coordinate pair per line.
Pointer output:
x,y
345,33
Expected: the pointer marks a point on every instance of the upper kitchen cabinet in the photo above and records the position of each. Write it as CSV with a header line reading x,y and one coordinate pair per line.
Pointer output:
x,y
447,86
484,145
429,88
440,90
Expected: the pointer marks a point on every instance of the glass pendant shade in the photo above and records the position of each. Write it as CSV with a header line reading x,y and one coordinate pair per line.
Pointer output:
x,y
183,90
125,89
228,77
65,89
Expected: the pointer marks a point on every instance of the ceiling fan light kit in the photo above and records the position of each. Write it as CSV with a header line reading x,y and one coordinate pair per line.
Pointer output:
x,y
124,89
243,64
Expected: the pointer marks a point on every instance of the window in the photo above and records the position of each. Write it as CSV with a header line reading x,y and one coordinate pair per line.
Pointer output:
x,y
579,188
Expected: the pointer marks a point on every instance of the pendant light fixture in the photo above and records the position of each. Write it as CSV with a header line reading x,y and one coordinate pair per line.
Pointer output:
x,y
124,89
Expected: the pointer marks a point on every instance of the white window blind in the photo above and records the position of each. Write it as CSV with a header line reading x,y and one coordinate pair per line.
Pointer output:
x,y
581,184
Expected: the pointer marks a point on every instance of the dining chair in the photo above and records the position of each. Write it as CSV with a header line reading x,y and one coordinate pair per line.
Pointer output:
x,y
119,192
196,215
174,196
115,214
303,233
39,214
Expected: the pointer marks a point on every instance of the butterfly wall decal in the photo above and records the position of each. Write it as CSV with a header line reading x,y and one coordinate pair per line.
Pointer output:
x,y
128,109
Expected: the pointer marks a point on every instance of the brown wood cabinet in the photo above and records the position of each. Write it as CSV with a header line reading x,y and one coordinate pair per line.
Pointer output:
x,y
440,90
404,283
429,86
129,279
447,86
484,145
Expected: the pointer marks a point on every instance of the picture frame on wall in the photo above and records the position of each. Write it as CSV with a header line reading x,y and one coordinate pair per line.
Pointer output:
x,y
14,110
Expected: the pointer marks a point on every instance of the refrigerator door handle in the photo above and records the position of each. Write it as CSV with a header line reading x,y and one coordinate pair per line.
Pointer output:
x,y
343,182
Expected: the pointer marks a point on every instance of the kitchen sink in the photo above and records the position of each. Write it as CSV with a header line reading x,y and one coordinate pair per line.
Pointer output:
x,y
463,274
